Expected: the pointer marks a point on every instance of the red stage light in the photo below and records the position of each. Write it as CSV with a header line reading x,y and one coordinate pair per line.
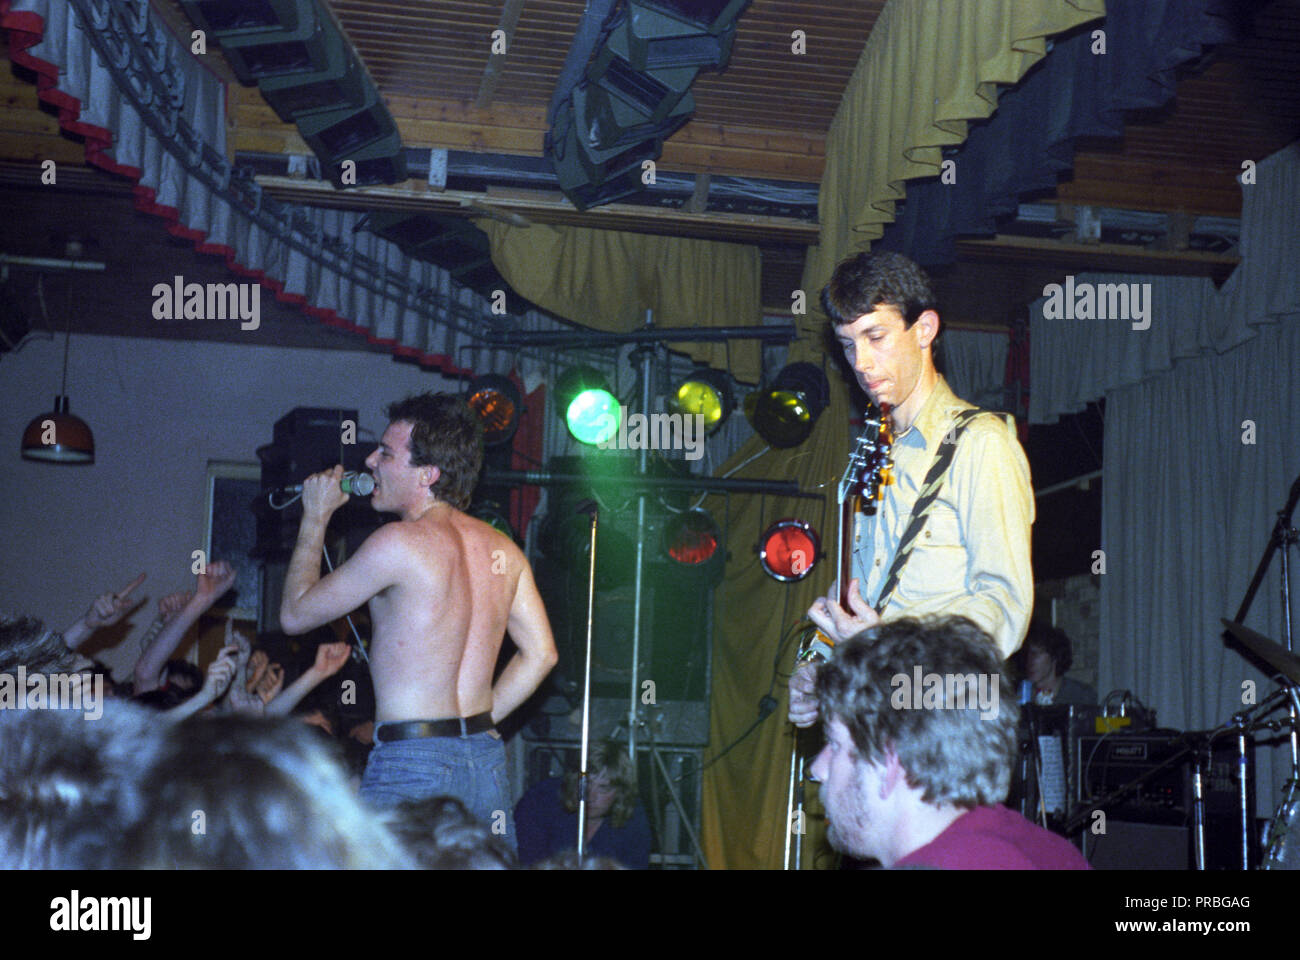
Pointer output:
x,y
788,550
692,538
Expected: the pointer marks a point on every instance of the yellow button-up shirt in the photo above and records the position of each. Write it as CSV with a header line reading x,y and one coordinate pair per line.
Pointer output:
x,y
972,556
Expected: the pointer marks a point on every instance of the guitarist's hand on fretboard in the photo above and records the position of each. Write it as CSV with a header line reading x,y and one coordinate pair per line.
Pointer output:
x,y
840,624
803,702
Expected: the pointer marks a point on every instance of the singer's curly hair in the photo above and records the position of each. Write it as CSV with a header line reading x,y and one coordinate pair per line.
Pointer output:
x,y
447,434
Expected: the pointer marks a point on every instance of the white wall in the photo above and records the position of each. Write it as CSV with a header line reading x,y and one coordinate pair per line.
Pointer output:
x,y
160,410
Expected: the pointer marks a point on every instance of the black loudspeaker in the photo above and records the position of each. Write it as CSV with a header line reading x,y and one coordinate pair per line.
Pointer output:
x,y
306,441
1138,846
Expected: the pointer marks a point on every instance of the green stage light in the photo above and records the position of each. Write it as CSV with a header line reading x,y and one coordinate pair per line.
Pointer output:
x,y
589,409
706,392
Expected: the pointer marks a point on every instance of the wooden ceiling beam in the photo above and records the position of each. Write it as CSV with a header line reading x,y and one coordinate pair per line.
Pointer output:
x,y
496,61
1077,257
539,206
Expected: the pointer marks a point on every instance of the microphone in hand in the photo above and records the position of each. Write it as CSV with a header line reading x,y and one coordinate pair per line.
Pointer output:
x,y
353,483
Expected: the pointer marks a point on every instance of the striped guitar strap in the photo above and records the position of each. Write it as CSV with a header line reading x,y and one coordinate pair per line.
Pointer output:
x,y
921,509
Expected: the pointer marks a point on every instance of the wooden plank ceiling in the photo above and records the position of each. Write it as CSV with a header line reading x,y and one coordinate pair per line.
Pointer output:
x,y
765,116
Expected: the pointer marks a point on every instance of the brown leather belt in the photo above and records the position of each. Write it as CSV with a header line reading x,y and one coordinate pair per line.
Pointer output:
x,y
421,729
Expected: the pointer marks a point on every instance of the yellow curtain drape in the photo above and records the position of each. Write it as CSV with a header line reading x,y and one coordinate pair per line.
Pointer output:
x,y
607,279
928,67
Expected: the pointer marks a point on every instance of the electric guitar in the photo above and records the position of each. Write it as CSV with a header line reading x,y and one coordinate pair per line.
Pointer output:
x,y
870,468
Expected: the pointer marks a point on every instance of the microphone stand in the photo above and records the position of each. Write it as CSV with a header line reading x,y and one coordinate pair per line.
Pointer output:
x,y
591,509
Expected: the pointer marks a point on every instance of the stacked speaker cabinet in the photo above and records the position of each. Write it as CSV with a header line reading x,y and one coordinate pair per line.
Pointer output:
x,y
310,75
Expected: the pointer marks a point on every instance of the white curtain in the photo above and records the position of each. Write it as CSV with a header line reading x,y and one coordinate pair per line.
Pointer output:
x,y
1202,420
975,365
1073,361
1188,505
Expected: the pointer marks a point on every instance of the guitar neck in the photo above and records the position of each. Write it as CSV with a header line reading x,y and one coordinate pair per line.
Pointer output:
x,y
844,571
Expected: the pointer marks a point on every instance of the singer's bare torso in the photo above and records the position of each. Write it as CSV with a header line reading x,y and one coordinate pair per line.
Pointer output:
x,y
438,629
443,589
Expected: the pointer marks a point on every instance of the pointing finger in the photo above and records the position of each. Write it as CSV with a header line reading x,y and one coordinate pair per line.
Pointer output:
x,y
130,587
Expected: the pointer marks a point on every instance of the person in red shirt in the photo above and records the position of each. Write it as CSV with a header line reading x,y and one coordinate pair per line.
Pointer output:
x,y
920,745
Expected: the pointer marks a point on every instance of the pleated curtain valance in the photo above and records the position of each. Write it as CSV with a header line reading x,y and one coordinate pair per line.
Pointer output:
x,y
607,280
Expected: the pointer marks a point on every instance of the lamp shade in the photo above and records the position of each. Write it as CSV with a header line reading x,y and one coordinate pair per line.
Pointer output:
x,y
59,437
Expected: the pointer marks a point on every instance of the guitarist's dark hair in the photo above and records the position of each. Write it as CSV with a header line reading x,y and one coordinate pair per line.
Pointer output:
x,y
864,282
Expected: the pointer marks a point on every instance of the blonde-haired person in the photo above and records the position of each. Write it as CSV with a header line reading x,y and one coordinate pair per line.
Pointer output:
x,y
546,817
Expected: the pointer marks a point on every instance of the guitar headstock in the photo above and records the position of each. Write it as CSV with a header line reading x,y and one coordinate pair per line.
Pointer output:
x,y
870,466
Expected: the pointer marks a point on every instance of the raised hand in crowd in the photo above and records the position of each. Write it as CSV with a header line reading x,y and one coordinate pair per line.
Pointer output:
x,y
209,586
170,606
271,683
242,699
257,665
220,673
106,610
330,658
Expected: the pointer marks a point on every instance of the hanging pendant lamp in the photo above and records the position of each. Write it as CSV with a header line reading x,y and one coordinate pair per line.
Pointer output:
x,y
59,436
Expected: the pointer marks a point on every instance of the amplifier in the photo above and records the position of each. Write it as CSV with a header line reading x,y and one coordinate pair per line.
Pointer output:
x,y
1107,763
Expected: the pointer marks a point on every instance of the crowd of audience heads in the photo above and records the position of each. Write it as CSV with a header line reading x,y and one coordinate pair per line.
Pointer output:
x,y
243,766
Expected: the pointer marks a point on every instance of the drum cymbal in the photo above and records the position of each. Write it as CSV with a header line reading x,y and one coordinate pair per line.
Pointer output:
x,y
1274,654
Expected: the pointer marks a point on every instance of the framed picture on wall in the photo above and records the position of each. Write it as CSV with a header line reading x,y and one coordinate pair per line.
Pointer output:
x,y
232,528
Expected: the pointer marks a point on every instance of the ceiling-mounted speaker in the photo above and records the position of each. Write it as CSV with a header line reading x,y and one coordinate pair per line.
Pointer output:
x,y
341,85
599,162
276,53
713,16
610,123
685,34
653,95
233,18
588,183
384,161
453,243
335,135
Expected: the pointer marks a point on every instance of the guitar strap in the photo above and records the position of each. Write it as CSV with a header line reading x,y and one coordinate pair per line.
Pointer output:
x,y
930,488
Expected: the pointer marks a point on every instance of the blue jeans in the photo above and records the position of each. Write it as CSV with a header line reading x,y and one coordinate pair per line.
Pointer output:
x,y
472,769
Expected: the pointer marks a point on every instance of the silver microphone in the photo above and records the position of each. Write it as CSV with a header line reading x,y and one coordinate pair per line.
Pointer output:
x,y
355,483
